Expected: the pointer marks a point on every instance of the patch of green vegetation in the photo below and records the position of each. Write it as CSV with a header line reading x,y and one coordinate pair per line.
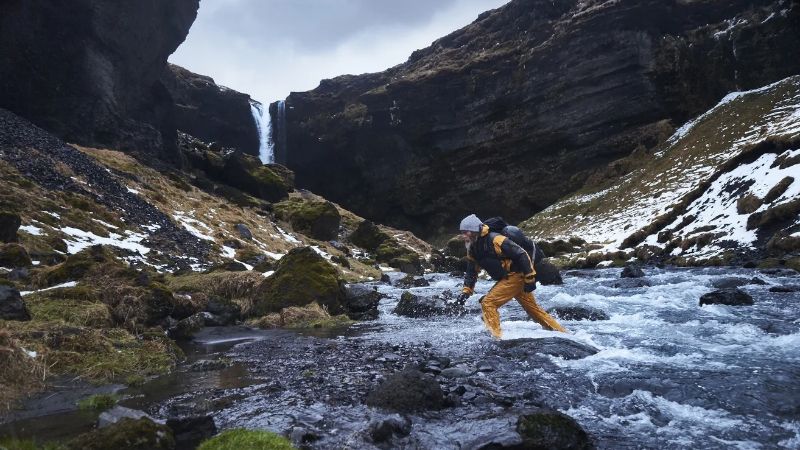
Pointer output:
x,y
240,439
128,434
399,256
301,277
318,219
27,444
98,402
79,305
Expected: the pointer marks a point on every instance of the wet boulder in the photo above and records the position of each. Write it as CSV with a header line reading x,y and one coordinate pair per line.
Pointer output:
x,y
368,236
14,255
361,302
785,289
12,307
384,430
547,273
301,277
632,271
127,434
222,312
407,391
189,432
731,297
578,313
630,283
549,429
558,347
9,224
318,219
415,306
734,282
410,281
186,328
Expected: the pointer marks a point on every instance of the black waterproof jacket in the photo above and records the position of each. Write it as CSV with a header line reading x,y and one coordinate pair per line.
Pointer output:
x,y
498,255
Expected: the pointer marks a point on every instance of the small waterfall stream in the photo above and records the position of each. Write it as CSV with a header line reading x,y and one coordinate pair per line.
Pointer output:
x,y
266,149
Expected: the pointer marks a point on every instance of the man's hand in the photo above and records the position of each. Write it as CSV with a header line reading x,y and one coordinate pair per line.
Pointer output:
x,y
462,299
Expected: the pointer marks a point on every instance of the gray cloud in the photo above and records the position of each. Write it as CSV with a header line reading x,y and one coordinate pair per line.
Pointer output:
x,y
268,48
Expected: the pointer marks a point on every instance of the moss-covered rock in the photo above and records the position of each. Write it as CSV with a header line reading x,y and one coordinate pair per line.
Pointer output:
x,y
314,218
552,429
14,255
250,175
246,439
127,434
396,255
368,236
455,247
80,264
299,317
748,204
9,224
301,277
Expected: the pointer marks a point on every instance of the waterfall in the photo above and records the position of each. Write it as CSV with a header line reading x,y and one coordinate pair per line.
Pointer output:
x,y
266,149
279,137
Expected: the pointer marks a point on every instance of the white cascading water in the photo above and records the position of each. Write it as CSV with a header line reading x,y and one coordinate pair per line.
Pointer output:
x,y
266,149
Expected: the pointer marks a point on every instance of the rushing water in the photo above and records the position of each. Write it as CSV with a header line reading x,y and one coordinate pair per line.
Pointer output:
x,y
668,373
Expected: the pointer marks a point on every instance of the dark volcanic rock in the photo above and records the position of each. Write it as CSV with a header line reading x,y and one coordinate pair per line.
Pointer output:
x,y
361,302
9,224
189,432
630,283
91,73
785,289
734,282
547,273
11,305
222,312
549,429
411,305
560,347
733,297
187,327
578,313
407,391
593,79
632,271
210,112
383,430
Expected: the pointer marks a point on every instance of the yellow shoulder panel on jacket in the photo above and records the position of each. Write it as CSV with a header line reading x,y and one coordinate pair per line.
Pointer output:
x,y
498,242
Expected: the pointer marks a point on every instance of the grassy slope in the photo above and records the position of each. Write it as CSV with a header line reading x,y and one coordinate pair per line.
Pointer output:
x,y
611,210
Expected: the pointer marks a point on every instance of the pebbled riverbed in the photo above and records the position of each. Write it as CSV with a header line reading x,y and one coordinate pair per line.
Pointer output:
x,y
659,372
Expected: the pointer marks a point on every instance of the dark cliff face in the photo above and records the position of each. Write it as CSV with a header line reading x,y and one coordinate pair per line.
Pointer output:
x,y
514,111
211,113
90,71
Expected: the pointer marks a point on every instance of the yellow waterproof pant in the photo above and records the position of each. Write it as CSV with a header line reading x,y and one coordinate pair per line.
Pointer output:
x,y
502,292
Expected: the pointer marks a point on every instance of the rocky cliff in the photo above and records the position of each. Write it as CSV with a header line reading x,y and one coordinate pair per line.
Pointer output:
x,y
210,112
91,72
514,111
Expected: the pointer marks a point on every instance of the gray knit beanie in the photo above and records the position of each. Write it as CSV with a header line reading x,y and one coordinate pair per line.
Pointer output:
x,y
471,223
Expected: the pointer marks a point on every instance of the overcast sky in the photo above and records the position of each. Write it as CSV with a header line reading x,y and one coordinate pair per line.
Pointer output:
x,y
268,48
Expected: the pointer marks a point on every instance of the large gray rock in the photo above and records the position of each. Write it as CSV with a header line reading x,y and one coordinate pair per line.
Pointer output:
x,y
12,307
732,297
407,391
632,271
361,302
9,224
578,313
415,306
547,273
559,347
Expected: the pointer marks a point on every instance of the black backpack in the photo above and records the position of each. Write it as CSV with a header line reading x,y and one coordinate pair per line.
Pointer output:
x,y
498,225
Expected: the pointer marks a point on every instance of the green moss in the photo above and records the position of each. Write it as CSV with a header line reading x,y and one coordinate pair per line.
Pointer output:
x,y
301,277
368,236
78,305
317,219
77,266
399,256
127,434
98,402
246,440
14,255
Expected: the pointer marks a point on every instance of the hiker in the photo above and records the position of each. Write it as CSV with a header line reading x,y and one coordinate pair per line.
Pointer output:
x,y
509,265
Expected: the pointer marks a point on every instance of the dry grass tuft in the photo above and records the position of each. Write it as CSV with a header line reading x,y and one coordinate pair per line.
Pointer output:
x,y
20,372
